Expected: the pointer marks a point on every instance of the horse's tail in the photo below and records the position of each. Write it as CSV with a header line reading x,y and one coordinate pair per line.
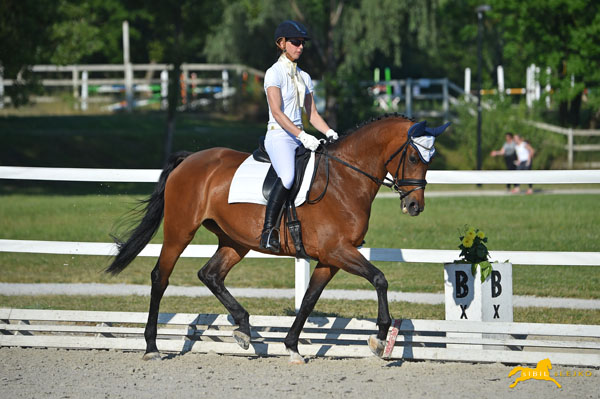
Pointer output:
x,y
139,236
515,370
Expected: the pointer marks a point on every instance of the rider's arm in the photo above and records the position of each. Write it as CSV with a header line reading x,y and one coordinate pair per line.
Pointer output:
x,y
274,100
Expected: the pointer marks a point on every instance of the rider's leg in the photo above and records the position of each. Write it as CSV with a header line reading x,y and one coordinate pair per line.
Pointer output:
x,y
269,238
281,148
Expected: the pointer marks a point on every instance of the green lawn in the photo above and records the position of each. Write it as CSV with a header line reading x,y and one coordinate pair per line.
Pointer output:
x,y
511,223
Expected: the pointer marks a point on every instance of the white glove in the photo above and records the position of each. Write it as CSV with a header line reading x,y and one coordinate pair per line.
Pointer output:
x,y
331,134
308,141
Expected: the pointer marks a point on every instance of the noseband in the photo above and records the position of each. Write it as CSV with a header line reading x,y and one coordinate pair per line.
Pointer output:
x,y
397,183
394,184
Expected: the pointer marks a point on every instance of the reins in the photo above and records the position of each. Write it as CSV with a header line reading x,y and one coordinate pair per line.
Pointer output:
x,y
394,184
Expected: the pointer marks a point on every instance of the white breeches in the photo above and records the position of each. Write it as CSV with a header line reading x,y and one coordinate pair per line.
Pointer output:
x,y
281,147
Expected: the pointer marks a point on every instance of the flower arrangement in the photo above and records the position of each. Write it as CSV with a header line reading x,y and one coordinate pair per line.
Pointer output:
x,y
474,251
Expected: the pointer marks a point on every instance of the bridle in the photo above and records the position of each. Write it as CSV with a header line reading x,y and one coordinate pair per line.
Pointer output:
x,y
395,183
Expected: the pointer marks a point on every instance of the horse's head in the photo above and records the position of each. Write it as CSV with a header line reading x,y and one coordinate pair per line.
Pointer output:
x,y
408,165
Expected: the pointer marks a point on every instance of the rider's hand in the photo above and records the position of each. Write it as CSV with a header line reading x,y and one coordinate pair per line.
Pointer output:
x,y
308,141
331,134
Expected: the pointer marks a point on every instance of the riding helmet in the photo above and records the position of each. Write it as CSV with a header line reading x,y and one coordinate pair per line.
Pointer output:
x,y
291,28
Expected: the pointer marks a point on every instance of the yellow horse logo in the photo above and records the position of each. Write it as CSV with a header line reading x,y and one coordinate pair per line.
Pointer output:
x,y
540,372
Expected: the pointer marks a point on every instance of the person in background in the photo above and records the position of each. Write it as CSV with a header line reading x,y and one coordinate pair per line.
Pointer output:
x,y
524,160
508,152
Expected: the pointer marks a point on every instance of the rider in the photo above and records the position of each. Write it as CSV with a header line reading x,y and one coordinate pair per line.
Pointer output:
x,y
288,89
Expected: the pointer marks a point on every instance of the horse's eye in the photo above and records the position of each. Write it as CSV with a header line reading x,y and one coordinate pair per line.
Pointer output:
x,y
412,159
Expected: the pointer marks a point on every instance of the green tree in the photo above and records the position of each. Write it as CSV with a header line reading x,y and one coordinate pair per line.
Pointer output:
x,y
561,34
24,41
346,38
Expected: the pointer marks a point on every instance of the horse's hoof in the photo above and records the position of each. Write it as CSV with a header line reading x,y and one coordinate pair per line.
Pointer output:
x,y
295,357
376,345
242,339
152,356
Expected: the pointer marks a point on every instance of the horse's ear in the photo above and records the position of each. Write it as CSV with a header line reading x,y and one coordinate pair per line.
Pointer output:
x,y
436,131
417,129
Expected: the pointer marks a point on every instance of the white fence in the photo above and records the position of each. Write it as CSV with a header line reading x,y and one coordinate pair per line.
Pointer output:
x,y
576,345
302,267
133,77
570,133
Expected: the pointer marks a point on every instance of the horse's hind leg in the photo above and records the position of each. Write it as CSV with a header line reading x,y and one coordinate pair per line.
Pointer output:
x,y
319,279
213,276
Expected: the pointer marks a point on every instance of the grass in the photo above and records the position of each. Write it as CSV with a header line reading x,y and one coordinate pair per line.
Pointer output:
x,y
512,223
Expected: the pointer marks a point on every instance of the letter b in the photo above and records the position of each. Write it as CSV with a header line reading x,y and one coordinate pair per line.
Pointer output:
x,y
461,278
496,286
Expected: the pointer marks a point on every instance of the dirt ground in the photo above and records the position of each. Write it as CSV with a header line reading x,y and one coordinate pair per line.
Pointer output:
x,y
54,373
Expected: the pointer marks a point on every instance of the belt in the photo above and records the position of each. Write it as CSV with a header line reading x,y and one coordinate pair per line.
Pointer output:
x,y
275,126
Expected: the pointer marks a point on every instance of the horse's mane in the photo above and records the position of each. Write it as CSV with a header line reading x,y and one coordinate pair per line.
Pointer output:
x,y
373,120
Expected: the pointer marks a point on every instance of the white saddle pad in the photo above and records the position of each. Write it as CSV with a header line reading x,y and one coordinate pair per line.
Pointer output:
x,y
248,180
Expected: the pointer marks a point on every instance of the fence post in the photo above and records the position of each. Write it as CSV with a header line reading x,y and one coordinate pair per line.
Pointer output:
x,y
570,145
164,89
500,74
128,67
75,80
225,78
302,272
1,86
84,90
408,92
445,100
467,84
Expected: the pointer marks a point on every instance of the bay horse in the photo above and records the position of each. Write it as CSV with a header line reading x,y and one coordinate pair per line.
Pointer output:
x,y
192,191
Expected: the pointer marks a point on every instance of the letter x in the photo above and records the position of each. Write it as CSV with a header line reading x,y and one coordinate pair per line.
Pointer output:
x,y
496,308
463,308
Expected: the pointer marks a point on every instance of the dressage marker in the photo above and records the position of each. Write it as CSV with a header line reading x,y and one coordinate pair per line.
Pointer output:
x,y
573,345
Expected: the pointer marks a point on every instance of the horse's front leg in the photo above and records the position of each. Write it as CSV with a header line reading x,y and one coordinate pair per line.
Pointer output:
x,y
319,279
352,261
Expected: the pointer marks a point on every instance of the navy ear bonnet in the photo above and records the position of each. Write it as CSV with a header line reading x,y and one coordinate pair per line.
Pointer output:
x,y
422,138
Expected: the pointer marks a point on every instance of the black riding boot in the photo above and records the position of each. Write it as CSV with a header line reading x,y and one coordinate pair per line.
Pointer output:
x,y
269,239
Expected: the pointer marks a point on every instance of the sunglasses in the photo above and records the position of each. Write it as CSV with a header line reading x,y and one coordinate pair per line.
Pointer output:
x,y
297,43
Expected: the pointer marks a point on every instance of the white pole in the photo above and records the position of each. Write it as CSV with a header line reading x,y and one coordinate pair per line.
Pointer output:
x,y
529,88
500,72
84,90
302,279
570,146
1,86
128,67
467,84
408,93
445,103
548,88
225,78
75,79
536,77
164,88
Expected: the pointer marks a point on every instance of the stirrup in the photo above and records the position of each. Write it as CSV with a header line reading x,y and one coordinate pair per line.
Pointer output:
x,y
271,242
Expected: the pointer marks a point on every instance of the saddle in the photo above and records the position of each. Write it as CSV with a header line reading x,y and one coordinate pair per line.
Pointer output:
x,y
292,222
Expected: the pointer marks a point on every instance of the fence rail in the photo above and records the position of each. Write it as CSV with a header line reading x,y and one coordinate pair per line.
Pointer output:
x,y
433,176
576,345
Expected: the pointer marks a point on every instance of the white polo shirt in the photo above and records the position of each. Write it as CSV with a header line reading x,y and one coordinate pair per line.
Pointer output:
x,y
277,76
